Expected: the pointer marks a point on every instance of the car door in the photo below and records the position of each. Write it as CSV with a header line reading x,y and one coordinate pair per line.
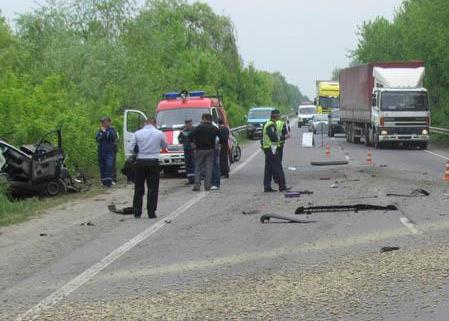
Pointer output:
x,y
133,120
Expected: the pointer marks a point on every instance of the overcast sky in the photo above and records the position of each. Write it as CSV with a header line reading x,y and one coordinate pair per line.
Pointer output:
x,y
303,39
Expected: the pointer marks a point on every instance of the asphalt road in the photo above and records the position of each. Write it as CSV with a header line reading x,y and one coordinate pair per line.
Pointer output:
x,y
203,259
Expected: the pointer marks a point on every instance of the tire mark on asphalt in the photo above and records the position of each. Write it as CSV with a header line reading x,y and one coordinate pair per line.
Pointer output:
x,y
89,274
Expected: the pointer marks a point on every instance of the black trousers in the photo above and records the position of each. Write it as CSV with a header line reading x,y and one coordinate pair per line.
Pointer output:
x,y
273,170
224,160
146,171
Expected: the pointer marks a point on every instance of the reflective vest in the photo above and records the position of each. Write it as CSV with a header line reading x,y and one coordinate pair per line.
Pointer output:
x,y
266,141
279,128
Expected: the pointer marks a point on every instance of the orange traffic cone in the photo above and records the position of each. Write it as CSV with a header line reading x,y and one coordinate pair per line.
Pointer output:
x,y
446,172
369,159
328,150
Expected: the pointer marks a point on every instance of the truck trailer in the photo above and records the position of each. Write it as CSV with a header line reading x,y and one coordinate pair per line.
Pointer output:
x,y
385,103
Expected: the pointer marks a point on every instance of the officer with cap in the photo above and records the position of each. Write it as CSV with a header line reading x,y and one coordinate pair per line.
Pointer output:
x,y
270,145
107,141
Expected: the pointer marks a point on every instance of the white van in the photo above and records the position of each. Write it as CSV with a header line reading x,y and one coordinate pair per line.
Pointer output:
x,y
305,113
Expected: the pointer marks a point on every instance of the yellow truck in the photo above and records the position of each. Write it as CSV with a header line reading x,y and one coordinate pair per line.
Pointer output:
x,y
327,96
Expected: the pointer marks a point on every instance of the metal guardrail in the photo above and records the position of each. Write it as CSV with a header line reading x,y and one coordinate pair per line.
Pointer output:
x,y
436,130
239,129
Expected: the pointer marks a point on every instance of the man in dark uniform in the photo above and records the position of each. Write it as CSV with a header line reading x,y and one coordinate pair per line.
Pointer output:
x,y
107,140
184,139
224,151
270,146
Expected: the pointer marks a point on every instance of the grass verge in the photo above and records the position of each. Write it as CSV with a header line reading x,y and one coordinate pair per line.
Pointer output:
x,y
17,211
439,140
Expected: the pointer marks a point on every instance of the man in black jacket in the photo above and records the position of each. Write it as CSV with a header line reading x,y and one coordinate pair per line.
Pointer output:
x,y
204,138
224,151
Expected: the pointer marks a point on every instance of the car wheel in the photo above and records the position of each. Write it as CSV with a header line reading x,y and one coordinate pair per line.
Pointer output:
x,y
238,154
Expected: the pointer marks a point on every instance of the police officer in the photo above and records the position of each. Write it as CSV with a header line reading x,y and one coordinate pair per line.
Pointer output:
x,y
184,139
107,140
270,146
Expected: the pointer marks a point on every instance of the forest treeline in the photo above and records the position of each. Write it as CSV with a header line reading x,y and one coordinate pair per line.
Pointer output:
x,y
419,31
67,63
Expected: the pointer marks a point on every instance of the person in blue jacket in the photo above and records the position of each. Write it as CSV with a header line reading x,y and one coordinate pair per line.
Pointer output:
x,y
107,142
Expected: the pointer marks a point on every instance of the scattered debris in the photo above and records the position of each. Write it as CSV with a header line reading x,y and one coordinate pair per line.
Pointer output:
x,y
168,221
329,163
292,169
124,211
414,193
292,194
325,178
389,249
122,220
43,234
383,166
373,175
334,186
266,218
251,212
100,200
88,223
344,208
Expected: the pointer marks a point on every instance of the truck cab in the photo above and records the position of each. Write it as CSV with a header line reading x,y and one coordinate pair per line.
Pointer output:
x,y
327,96
400,108
171,113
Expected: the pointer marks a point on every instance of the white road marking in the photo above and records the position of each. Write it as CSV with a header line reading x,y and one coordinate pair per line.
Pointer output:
x,y
90,273
437,155
408,223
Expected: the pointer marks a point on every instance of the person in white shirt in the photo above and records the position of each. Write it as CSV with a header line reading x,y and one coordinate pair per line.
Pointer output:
x,y
147,143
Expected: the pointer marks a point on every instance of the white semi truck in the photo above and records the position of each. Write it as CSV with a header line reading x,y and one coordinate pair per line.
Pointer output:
x,y
385,103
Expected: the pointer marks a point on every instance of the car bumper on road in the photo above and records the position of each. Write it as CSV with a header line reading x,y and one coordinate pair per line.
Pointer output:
x,y
172,159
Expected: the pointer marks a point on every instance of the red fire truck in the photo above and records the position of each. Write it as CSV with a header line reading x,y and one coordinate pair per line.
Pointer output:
x,y
171,113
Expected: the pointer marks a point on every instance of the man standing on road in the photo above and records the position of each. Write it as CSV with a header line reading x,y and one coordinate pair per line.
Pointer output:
x,y
185,140
203,138
270,146
224,151
148,142
107,140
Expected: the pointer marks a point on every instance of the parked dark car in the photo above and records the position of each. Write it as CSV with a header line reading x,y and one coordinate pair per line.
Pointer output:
x,y
335,125
256,118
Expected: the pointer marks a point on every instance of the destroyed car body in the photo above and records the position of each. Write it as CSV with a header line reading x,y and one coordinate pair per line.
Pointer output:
x,y
35,169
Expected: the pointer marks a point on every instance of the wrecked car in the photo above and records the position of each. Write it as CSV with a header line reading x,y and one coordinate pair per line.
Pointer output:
x,y
35,169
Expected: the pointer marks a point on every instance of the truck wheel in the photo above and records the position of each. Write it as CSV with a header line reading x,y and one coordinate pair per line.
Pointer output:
x,y
377,144
367,141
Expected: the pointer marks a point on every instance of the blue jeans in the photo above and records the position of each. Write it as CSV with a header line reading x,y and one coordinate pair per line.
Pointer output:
x,y
216,173
106,163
